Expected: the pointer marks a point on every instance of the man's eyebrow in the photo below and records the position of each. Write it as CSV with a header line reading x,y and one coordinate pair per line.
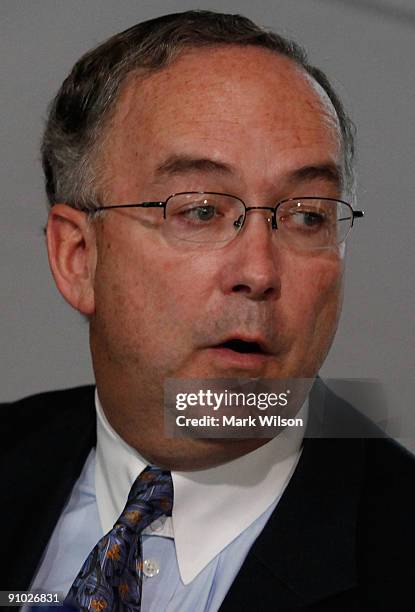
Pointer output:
x,y
329,171
185,164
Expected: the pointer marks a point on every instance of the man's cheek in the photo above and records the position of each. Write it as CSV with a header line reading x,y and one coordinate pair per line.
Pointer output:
x,y
329,284
322,277
317,294
328,300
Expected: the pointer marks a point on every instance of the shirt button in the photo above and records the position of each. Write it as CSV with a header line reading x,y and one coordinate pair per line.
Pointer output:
x,y
150,568
158,524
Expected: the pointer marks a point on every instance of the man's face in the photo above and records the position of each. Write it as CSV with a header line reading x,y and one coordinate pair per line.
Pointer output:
x,y
236,120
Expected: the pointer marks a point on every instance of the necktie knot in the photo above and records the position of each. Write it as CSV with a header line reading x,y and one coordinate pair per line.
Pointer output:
x,y
150,496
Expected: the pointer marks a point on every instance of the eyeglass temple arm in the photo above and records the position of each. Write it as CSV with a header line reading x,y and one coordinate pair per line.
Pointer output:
x,y
356,215
140,205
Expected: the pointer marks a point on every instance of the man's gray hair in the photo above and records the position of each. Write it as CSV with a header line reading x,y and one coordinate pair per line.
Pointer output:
x,y
83,107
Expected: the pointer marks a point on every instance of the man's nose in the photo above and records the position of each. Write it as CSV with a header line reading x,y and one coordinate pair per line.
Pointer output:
x,y
254,266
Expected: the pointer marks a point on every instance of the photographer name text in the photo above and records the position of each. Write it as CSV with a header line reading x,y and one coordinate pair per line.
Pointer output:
x,y
262,420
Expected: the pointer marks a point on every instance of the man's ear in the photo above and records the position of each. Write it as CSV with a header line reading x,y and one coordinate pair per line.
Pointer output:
x,y
72,255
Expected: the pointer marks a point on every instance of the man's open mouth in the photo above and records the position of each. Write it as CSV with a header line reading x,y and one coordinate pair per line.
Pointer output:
x,y
242,346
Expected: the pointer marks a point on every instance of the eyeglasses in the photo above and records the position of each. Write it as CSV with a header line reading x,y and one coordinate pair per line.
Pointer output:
x,y
214,219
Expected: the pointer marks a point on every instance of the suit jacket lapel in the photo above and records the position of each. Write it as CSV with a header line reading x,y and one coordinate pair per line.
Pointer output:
x,y
307,550
45,466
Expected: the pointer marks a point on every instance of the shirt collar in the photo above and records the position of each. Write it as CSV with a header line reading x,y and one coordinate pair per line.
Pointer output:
x,y
212,506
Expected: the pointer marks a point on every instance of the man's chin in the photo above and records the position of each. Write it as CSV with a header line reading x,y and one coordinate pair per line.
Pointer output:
x,y
191,454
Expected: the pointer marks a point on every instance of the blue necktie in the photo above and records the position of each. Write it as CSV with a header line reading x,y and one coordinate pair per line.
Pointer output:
x,y
111,577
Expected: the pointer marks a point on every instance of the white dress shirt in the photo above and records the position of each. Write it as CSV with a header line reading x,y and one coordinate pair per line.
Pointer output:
x,y
212,506
192,557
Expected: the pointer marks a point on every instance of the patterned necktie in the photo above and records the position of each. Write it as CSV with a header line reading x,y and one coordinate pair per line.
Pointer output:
x,y
111,577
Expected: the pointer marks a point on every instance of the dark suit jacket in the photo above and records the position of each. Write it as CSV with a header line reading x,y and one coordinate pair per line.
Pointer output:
x,y
341,537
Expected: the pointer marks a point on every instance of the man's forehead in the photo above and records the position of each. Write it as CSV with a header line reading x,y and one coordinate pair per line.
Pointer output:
x,y
220,75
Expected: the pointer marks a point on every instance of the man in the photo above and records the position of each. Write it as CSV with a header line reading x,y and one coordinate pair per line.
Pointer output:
x,y
244,281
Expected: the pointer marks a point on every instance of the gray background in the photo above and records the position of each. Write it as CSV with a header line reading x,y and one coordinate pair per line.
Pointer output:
x,y
366,47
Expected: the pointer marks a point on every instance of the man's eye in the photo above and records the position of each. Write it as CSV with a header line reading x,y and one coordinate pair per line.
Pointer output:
x,y
308,218
200,213
304,220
